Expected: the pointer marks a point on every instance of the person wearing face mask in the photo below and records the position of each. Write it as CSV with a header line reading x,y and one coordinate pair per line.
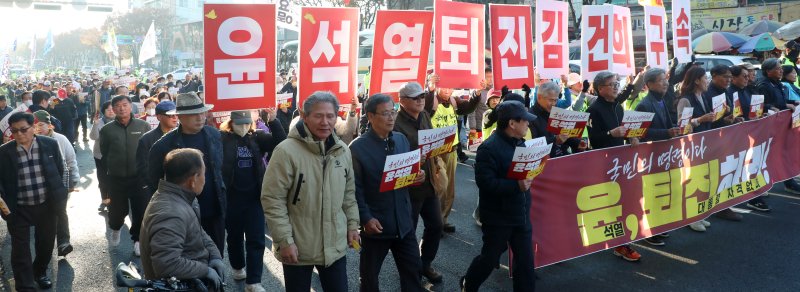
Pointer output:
x,y
243,168
149,115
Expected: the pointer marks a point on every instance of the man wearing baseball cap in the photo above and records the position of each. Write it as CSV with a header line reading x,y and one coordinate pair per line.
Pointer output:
x,y
504,202
193,133
167,121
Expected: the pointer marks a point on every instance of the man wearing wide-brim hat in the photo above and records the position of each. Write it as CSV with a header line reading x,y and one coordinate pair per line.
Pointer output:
x,y
193,133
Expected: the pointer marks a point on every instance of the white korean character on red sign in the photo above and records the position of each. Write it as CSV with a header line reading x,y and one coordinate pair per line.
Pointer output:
x,y
656,34
459,43
462,57
511,45
243,80
552,44
324,47
400,49
328,52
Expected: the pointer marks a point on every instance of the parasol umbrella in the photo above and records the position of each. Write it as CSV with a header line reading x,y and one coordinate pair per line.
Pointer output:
x,y
759,27
761,43
699,32
715,42
789,31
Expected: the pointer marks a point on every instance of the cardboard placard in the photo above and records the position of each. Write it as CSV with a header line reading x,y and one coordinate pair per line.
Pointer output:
x,y
636,123
528,162
434,142
400,170
567,122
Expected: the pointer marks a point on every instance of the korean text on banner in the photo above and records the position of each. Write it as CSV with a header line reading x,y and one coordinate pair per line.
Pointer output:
x,y
475,139
511,45
240,57
634,192
288,15
756,106
622,42
400,170
655,26
528,162
636,123
552,44
718,104
795,118
400,49
567,122
459,44
682,30
328,47
435,142
283,100
737,105
595,40
684,120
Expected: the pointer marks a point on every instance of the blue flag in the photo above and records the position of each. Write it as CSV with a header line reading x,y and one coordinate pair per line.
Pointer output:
x,y
48,43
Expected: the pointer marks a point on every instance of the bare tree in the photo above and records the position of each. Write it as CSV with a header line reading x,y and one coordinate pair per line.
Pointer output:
x,y
576,21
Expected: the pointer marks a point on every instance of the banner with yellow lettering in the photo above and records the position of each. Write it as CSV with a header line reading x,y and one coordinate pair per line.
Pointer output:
x,y
596,200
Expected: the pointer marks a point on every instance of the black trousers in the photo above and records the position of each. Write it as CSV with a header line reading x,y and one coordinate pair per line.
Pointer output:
x,y
496,240
245,226
406,256
81,122
214,226
429,208
19,224
125,193
62,223
102,178
332,278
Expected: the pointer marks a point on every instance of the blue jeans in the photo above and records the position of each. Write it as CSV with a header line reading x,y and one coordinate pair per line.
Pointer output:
x,y
245,219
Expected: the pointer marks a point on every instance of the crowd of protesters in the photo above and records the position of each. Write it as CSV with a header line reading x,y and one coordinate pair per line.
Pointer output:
x,y
191,187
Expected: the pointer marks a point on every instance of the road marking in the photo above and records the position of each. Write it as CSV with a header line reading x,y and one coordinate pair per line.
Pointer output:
x,y
739,210
785,196
668,255
646,276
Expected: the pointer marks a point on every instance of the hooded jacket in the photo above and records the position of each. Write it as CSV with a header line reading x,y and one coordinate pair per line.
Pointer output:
x,y
173,242
308,196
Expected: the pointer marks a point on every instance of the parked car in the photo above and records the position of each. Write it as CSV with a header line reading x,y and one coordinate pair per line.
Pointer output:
x,y
709,61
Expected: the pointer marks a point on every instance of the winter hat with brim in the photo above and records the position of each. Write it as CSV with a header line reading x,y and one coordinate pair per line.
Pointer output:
x,y
189,104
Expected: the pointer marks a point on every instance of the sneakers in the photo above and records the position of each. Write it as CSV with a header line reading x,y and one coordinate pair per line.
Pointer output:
x,y
239,274
698,226
254,288
432,275
462,157
705,223
102,207
136,250
64,249
666,234
114,240
655,240
627,253
729,214
758,204
792,190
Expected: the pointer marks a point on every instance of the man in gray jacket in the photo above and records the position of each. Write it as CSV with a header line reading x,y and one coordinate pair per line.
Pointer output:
x,y
173,243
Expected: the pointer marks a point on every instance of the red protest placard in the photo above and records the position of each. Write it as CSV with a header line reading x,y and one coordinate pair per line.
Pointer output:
x,y
737,105
328,52
636,123
595,40
655,26
718,104
567,122
622,42
684,119
682,30
552,44
756,106
528,162
459,45
400,49
400,170
474,140
511,45
283,100
239,42
434,142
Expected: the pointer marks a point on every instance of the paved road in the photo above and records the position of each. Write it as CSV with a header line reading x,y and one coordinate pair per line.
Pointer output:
x,y
759,253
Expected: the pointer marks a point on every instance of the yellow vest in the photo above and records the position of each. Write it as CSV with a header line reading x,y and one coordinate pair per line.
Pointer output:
x,y
445,117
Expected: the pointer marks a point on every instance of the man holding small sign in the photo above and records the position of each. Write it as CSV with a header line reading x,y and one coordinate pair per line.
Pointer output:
x,y
384,205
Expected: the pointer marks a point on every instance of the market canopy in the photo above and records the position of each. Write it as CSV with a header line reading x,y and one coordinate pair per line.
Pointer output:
x,y
715,42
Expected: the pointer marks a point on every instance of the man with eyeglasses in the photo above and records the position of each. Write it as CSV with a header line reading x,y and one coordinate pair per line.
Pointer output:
x,y
606,130
385,216
32,184
412,118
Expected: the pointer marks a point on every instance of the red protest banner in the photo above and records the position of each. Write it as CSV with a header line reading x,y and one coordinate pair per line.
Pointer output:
x,y
459,45
682,30
511,45
435,142
552,44
528,162
595,40
328,52
400,170
634,192
400,49
636,123
655,26
568,122
239,43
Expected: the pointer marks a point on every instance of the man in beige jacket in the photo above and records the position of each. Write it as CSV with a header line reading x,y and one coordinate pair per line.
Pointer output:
x,y
308,196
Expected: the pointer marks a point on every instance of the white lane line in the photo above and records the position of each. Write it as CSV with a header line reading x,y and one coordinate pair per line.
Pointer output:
x,y
669,255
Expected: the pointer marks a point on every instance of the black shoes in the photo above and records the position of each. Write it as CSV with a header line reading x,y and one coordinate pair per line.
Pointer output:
x,y
449,228
758,204
64,249
44,282
432,275
462,157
